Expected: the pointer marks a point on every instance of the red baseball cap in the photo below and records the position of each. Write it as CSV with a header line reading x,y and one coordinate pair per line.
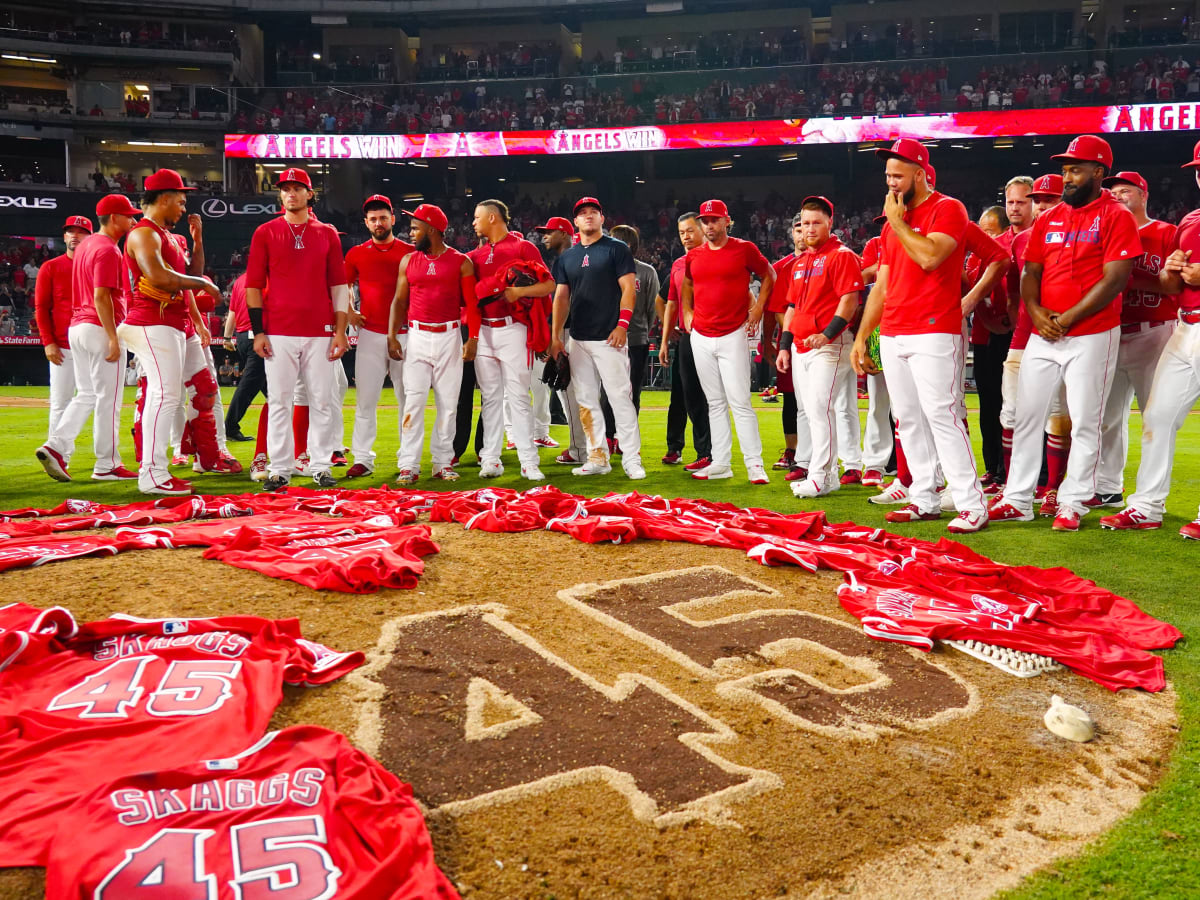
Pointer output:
x,y
1127,178
931,176
377,198
908,149
116,205
78,222
1047,186
1088,148
300,176
1195,158
166,180
556,223
824,201
586,201
713,209
429,214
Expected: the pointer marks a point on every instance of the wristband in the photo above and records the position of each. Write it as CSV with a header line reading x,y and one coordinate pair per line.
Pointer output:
x,y
256,319
785,340
625,318
834,328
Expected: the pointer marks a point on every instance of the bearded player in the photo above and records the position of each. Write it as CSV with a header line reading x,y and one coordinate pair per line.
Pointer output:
x,y
52,308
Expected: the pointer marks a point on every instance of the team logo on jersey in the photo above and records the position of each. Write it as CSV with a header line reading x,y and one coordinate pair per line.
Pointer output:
x,y
174,626
432,270
585,264
1095,223
491,255
988,605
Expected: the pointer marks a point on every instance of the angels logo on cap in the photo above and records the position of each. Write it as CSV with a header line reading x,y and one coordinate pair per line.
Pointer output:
x,y
78,222
713,208
300,176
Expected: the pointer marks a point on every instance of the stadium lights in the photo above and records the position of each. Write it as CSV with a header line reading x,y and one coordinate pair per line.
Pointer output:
x,y
717,166
21,58
141,87
790,157
572,179
317,57
419,165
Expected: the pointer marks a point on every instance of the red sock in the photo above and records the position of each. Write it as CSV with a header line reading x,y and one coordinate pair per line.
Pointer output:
x,y
300,428
260,439
1006,435
1057,450
902,474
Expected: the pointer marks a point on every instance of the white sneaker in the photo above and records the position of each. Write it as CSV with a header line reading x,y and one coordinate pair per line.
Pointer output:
x,y
532,473
712,473
968,523
258,468
634,470
592,467
491,470
895,494
302,462
947,501
757,474
808,489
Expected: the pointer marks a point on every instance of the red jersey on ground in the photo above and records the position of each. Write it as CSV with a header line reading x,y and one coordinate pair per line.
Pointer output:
x,y
300,814
19,622
1187,237
301,278
488,260
1140,305
435,286
53,299
721,285
919,302
145,310
1073,245
126,694
237,304
97,264
820,279
375,269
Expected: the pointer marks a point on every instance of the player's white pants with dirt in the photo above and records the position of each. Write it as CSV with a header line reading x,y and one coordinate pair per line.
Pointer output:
x,y
595,364
1175,390
925,382
62,388
723,364
161,352
196,357
99,390
502,367
371,366
1084,364
819,376
877,443
432,360
1137,360
849,429
295,359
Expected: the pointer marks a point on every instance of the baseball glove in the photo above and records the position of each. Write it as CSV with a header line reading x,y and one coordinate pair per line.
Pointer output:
x,y
873,349
557,373
162,298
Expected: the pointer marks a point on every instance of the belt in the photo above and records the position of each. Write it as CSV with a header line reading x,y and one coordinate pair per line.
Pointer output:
x,y
1189,317
435,327
1137,327
498,323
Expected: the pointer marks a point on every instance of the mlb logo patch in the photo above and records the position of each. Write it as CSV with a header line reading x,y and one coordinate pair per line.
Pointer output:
x,y
1055,237
175,626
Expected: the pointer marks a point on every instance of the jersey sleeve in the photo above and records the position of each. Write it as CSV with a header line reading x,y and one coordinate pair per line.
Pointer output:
x,y
351,265
335,264
310,663
1121,238
950,218
870,254
755,261
559,271
846,277
623,260
257,264
1036,244
106,270
43,304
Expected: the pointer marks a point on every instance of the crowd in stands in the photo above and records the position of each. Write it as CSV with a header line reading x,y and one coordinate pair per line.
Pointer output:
x,y
59,28
495,61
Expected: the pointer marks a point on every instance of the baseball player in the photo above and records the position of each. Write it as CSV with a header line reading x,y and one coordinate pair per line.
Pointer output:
x,y
374,267
715,291
253,380
556,237
52,308
503,360
596,281
1148,317
647,287
301,330
877,441
797,437
917,304
823,298
685,381
1080,256
154,329
435,282
96,352
1176,386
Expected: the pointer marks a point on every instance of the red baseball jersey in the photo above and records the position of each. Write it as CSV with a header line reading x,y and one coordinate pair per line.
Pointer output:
x,y
982,251
435,286
673,290
920,302
721,285
97,264
18,622
237,304
778,301
870,254
300,814
1140,305
1073,246
144,310
1024,322
301,277
820,279
375,268
488,260
1187,238
53,299
125,694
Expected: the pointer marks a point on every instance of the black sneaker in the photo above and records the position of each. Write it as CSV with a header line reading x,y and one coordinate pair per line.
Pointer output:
x,y
1114,500
275,483
324,480
237,436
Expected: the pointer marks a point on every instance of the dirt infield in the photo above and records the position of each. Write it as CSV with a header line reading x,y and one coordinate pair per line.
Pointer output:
x,y
671,721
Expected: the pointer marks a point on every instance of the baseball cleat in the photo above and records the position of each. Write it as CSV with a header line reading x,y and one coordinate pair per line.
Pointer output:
x,y
713,473
1191,531
338,458
852,476
324,480
120,473
592,467
275,483
757,474
53,463
225,465
808,489
1003,511
531,473
893,494
1099,500
1066,520
510,445
967,522
702,462
258,468
911,513
491,469
946,500
446,474
179,459
873,478
796,473
1049,506
993,488
1129,520
786,460
358,470
407,476
614,447
566,458
172,487
634,470
673,458
302,463
546,441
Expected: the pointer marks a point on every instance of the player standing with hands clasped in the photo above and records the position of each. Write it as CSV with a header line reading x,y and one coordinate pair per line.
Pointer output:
x,y
52,302
596,284
300,333
716,310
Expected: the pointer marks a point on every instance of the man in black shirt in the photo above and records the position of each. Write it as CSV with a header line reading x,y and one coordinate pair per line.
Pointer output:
x,y
597,284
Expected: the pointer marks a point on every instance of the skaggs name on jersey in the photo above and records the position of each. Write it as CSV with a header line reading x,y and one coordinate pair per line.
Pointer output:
x,y
137,807
219,643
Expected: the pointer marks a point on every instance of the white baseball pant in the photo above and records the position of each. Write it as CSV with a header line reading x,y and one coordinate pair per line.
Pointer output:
x,y
62,388
1008,392
577,442
433,360
925,382
99,390
1084,364
540,403
161,352
371,366
294,360
878,441
1137,360
820,375
849,429
595,364
502,369
1175,390
804,446
723,364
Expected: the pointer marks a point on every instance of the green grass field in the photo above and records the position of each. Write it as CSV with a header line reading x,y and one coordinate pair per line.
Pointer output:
x,y
1154,853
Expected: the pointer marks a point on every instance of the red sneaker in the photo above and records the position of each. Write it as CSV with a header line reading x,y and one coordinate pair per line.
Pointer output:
x,y
911,513
786,460
172,487
53,463
1003,511
702,463
120,473
1191,531
1129,520
566,458
673,458
1066,520
545,442
852,476
873,478
358,470
1049,504
797,473
338,458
